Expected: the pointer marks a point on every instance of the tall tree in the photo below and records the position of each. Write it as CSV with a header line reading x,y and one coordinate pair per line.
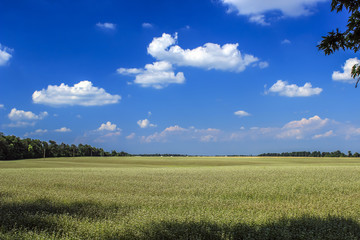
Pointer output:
x,y
350,38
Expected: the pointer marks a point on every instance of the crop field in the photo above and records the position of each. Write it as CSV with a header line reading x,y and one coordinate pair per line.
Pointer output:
x,y
180,198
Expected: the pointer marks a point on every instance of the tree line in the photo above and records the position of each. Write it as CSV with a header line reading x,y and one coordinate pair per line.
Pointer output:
x,y
12,148
311,154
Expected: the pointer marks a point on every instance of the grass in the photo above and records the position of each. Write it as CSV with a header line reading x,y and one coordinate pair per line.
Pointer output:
x,y
180,198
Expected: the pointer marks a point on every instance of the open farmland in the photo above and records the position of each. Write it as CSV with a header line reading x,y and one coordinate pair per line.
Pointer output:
x,y
180,198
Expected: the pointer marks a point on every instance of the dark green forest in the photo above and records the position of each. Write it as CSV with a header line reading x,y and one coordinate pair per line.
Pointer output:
x,y
12,147
311,154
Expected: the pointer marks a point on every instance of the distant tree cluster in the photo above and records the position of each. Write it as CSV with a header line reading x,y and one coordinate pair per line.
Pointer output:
x,y
12,147
161,155
311,154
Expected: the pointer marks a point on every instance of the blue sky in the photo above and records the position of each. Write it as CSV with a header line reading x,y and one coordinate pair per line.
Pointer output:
x,y
191,77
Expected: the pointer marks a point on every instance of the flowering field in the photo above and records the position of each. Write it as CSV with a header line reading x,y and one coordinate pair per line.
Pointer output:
x,y
180,198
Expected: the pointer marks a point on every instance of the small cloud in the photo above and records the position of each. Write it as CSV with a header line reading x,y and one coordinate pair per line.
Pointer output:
x,y
145,123
107,127
241,113
20,115
131,136
81,94
185,134
208,138
2,106
263,65
112,134
36,132
78,116
63,129
324,135
345,76
157,75
147,25
286,41
259,19
106,26
284,89
5,55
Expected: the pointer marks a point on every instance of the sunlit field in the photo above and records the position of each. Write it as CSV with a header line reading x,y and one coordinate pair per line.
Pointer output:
x,y
180,198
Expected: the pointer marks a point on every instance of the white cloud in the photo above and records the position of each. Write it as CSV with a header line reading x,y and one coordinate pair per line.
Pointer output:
x,y
147,25
129,71
131,136
345,76
106,25
157,75
108,136
284,89
209,56
39,131
258,8
63,129
112,134
5,55
20,115
263,65
241,113
82,93
208,138
298,129
145,123
286,41
259,19
107,127
2,106
324,135
178,133
36,132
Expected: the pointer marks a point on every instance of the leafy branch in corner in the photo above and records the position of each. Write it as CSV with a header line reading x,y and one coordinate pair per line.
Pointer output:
x,y
347,40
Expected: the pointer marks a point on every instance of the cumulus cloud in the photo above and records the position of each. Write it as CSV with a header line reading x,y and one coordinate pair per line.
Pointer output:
x,y
147,25
241,113
108,126
106,26
21,115
298,129
256,9
292,90
145,123
345,76
209,56
324,135
5,55
63,129
82,94
157,75
21,118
